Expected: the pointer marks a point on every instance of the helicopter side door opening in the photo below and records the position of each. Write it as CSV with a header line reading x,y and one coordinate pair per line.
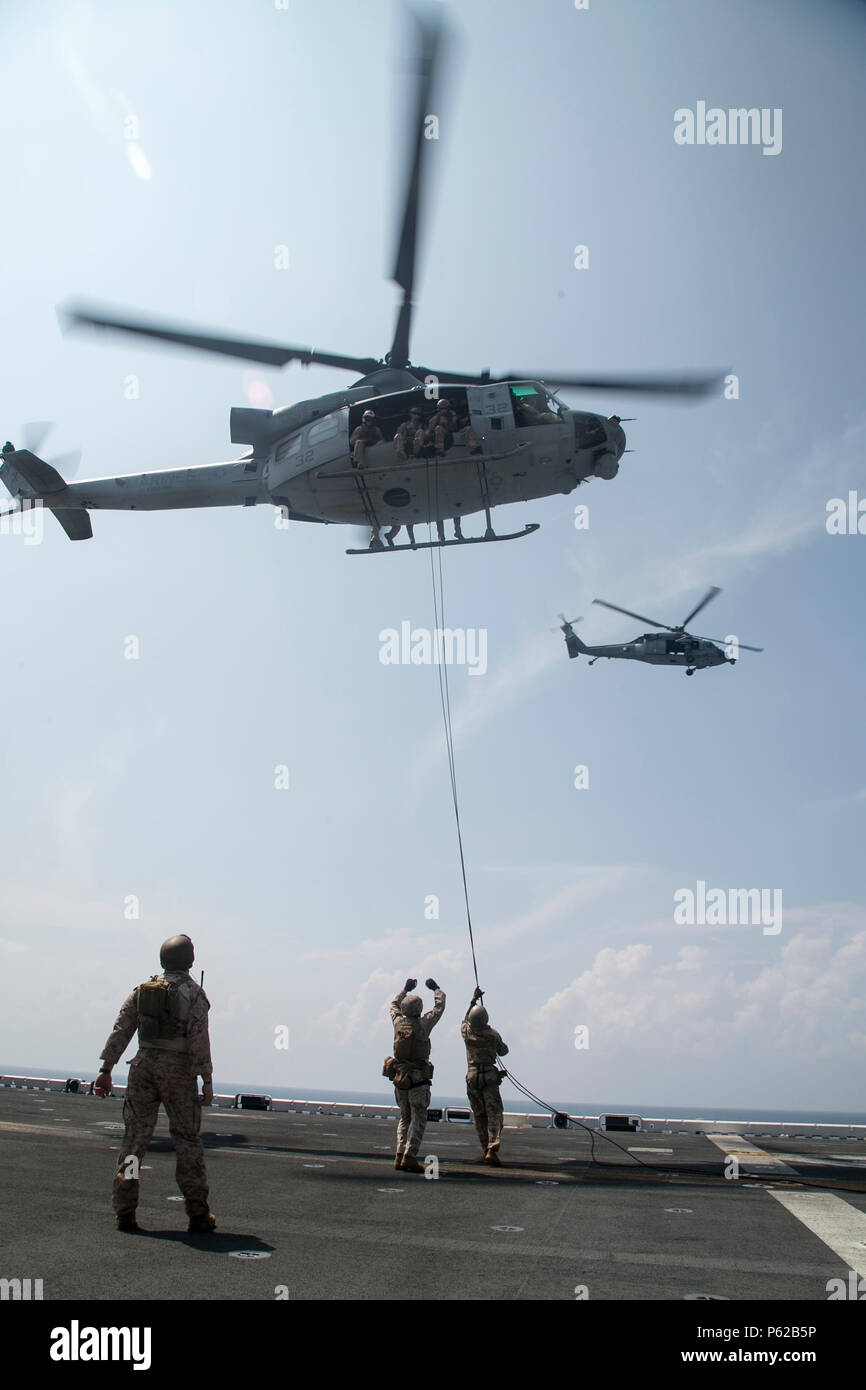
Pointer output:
x,y
421,439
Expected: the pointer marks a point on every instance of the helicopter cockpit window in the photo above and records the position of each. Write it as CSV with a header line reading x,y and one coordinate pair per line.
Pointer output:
x,y
534,406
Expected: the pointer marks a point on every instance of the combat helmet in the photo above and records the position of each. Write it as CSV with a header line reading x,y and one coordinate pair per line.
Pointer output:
x,y
177,953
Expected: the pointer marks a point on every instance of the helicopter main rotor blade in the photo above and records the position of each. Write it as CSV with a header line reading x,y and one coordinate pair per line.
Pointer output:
x,y
428,49
710,594
649,385
640,617
273,354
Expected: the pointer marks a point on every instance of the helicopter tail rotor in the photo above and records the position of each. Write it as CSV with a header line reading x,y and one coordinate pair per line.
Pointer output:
x,y
565,623
33,481
572,641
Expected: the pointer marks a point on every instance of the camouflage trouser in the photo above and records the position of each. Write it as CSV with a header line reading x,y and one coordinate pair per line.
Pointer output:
x,y
413,1105
443,439
153,1077
486,1103
419,439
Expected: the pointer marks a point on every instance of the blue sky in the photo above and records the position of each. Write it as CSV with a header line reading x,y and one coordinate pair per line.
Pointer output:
x,y
261,127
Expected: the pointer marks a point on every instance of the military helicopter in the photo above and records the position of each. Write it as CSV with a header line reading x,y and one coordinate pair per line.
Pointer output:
x,y
509,438
680,648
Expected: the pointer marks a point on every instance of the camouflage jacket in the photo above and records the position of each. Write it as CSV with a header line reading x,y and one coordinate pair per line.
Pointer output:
x,y
427,1021
197,1037
482,1047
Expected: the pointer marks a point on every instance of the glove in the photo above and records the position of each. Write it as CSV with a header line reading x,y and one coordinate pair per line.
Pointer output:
x,y
410,984
431,984
479,993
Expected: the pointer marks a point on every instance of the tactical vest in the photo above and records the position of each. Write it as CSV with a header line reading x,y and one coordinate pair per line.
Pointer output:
x,y
163,1014
480,1049
410,1043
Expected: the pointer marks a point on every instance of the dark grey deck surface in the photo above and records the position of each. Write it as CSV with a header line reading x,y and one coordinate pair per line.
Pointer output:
x,y
318,1196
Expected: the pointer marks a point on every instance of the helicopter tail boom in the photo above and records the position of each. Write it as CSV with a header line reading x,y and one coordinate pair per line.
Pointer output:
x,y
30,480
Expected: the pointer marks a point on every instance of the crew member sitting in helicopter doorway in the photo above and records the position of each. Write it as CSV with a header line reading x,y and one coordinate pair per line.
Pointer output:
x,y
410,1069
367,432
411,432
483,1078
443,425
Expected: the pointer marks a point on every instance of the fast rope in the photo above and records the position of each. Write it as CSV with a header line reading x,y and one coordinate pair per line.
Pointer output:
x,y
444,694
687,1169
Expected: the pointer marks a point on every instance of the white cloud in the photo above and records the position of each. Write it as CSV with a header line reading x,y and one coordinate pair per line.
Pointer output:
x,y
808,1002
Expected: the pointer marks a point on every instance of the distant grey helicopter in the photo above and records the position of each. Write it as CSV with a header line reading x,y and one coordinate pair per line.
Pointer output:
x,y
506,439
680,648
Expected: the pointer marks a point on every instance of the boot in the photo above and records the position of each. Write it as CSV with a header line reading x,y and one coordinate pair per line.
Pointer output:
x,y
411,1164
202,1225
398,1161
126,1222
492,1157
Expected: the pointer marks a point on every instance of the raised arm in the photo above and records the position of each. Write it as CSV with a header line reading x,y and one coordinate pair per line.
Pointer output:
x,y
432,1017
476,998
397,1001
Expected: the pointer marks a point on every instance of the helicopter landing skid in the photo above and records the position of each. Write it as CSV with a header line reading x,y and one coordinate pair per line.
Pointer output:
x,y
384,548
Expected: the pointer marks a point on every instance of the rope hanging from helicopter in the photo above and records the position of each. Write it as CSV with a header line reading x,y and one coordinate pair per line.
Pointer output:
x,y
438,587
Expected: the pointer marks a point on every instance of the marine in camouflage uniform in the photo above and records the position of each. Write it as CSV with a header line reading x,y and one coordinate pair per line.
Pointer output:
x,y
367,433
170,1013
411,431
443,425
412,1071
483,1046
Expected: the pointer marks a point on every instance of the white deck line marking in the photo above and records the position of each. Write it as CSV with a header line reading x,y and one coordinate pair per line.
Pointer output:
x,y
735,1146
828,1161
832,1220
